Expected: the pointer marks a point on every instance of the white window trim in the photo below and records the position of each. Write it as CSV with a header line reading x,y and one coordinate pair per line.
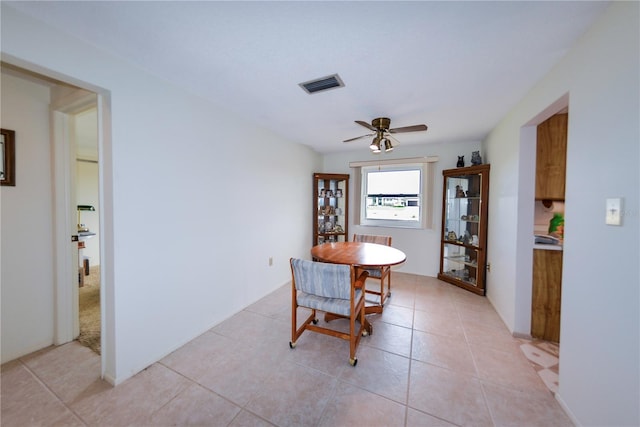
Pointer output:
x,y
427,163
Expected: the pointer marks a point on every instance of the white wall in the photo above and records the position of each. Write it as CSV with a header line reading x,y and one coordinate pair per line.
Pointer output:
x,y
27,268
422,247
600,324
181,255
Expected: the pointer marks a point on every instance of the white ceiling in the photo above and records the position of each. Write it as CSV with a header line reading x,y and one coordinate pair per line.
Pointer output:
x,y
458,67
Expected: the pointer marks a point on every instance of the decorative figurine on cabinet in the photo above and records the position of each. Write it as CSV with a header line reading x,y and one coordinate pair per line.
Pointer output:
x,y
475,158
459,192
460,163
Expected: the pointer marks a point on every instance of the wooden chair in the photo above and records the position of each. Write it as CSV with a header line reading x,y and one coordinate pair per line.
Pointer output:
x,y
331,288
380,273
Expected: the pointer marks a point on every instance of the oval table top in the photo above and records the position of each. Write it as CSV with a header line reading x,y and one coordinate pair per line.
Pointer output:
x,y
358,253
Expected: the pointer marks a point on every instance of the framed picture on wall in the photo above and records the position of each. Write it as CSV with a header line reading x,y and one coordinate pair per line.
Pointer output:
x,y
7,157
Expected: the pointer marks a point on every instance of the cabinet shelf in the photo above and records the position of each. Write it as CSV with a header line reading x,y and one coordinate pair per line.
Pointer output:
x,y
452,278
463,260
465,198
458,243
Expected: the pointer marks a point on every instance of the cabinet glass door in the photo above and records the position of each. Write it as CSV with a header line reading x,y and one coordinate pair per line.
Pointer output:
x,y
331,208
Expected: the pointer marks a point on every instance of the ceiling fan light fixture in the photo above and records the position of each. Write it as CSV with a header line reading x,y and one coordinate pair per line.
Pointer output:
x,y
375,144
381,129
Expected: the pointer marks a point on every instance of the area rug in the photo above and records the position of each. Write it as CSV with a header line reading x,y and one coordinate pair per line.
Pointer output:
x,y
90,310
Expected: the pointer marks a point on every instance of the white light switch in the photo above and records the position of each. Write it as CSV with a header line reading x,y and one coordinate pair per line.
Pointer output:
x,y
614,209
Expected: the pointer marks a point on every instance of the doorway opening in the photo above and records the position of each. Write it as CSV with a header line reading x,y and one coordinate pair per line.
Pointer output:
x,y
85,132
544,354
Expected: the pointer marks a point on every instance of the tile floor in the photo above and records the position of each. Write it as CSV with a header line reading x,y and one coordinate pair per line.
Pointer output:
x,y
544,357
438,356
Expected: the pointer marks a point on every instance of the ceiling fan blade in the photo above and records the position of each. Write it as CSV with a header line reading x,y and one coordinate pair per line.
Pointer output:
x,y
358,137
414,128
367,125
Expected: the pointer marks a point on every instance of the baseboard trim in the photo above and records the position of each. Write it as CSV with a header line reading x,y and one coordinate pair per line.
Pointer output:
x,y
566,409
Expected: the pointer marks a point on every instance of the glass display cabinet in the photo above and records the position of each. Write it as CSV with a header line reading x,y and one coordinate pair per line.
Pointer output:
x,y
330,208
463,252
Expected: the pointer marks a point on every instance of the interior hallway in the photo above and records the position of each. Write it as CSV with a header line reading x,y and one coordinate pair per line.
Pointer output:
x,y
438,356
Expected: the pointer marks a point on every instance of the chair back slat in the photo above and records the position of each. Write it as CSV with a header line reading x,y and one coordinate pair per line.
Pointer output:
x,y
367,238
322,279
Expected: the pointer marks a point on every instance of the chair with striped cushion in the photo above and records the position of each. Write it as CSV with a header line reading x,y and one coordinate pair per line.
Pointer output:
x,y
331,288
378,273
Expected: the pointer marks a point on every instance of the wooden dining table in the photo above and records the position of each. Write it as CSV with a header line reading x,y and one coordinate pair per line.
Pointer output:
x,y
359,254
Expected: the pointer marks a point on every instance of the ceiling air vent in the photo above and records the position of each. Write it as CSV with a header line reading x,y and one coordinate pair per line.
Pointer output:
x,y
322,84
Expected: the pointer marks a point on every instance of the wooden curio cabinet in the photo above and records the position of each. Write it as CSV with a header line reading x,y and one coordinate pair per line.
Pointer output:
x,y
330,207
465,205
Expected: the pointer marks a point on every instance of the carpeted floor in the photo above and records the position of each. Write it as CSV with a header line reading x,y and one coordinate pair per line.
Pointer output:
x,y
90,310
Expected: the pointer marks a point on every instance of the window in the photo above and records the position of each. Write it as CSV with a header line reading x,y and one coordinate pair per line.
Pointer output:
x,y
392,196
394,192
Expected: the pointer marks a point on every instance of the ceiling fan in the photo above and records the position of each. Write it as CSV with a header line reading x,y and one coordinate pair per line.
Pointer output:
x,y
382,139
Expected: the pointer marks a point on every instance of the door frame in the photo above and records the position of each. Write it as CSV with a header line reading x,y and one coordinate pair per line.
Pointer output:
x,y
64,215
525,215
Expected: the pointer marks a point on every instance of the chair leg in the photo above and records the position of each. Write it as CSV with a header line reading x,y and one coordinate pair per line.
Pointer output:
x,y
387,293
352,339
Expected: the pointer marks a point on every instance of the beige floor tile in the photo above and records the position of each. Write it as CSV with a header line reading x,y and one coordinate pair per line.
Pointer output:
x,y
247,325
272,304
380,372
27,402
200,355
416,418
400,300
293,396
67,370
441,322
452,396
485,316
531,408
327,354
438,304
391,338
132,402
447,352
395,315
510,369
195,406
240,373
402,293
498,339
247,419
352,406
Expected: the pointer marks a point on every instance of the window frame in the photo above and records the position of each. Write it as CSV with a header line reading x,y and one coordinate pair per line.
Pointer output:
x,y
392,223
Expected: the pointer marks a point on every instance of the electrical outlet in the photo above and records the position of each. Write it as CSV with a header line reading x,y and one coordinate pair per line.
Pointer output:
x,y
270,261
